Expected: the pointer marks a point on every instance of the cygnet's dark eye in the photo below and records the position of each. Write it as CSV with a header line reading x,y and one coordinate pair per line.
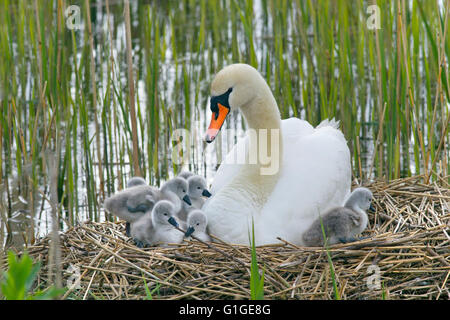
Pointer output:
x,y
198,223
184,191
198,188
165,214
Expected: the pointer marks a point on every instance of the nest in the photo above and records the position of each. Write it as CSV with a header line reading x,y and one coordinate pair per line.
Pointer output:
x,y
406,256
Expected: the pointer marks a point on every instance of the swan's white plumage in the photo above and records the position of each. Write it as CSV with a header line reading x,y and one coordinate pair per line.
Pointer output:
x,y
315,175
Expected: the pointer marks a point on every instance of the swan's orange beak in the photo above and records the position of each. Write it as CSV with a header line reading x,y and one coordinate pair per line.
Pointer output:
x,y
217,120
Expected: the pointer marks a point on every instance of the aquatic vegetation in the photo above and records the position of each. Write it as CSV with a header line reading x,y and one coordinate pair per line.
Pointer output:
x,y
66,90
18,280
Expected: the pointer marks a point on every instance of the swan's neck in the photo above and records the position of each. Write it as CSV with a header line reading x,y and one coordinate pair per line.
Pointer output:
x,y
265,140
259,176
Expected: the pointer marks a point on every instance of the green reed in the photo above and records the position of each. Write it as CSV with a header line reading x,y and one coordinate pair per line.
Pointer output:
x,y
62,93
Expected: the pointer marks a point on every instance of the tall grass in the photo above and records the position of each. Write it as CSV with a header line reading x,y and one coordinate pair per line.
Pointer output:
x,y
256,278
70,91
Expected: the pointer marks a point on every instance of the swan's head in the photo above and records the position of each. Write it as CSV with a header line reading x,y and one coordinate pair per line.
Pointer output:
x,y
164,213
197,187
233,87
360,198
196,221
179,186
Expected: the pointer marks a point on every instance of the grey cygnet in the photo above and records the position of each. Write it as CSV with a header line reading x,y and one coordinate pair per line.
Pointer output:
x,y
341,224
131,204
176,191
134,181
196,225
197,190
157,227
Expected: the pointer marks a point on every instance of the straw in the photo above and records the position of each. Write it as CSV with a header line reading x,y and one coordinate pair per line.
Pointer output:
x,y
407,246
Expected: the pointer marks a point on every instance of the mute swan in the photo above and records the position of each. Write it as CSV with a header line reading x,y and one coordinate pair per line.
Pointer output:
x,y
308,172
341,224
196,225
156,227
197,190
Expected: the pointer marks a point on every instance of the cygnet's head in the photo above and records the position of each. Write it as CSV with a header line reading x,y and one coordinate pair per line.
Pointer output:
x,y
360,198
233,87
197,187
179,186
164,213
136,181
185,174
196,222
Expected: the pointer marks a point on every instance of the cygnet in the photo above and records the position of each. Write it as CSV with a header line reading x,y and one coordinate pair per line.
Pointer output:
x,y
197,190
134,181
176,191
196,225
131,204
341,224
157,226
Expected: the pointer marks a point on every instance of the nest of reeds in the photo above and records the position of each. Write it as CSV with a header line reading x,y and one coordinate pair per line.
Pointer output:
x,y
407,256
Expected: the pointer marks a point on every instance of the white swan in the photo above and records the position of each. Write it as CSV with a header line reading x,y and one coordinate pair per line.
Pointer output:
x,y
313,172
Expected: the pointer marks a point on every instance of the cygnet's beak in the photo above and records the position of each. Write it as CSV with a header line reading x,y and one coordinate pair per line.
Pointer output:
x,y
187,200
206,193
189,231
372,208
173,222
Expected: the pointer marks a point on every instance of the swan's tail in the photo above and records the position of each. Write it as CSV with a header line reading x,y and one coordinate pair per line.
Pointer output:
x,y
329,123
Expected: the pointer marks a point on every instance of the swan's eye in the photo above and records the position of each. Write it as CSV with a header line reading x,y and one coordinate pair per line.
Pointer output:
x,y
184,191
165,214
198,188
198,223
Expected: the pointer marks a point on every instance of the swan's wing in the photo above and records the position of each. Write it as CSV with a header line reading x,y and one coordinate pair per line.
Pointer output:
x,y
315,176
